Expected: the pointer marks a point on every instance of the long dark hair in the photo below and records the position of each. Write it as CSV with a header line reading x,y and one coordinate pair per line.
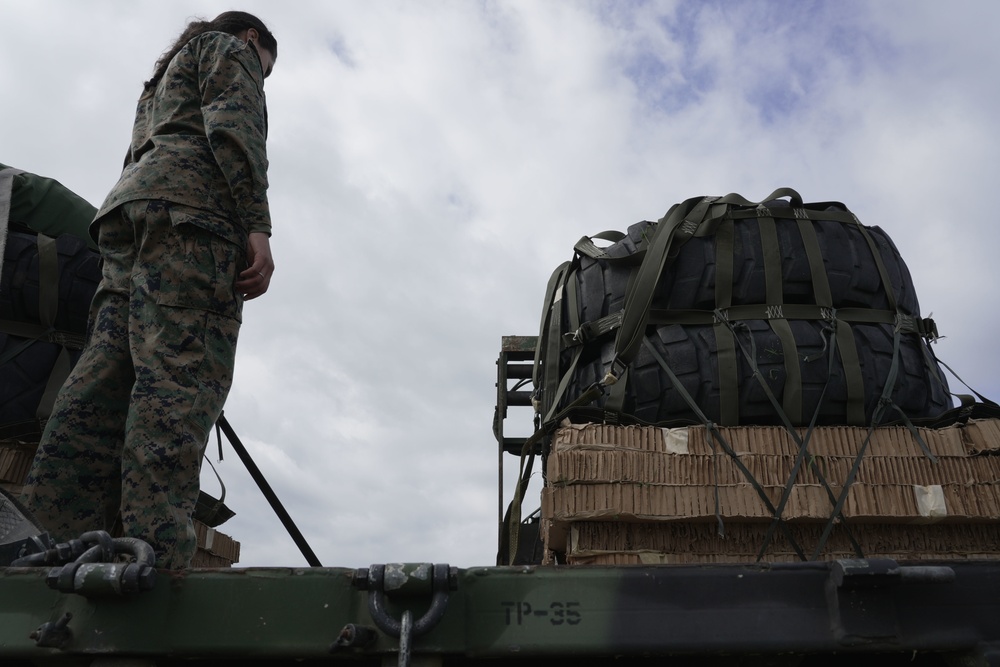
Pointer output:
x,y
231,22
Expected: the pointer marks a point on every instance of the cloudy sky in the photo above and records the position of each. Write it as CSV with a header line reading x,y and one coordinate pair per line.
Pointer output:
x,y
432,162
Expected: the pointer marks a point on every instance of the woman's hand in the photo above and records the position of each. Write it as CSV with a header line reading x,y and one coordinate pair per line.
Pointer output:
x,y
255,280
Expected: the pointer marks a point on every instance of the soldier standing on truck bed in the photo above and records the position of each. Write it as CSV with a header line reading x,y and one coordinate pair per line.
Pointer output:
x,y
184,239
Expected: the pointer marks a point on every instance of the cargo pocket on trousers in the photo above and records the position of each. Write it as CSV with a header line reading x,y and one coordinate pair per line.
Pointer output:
x,y
200,269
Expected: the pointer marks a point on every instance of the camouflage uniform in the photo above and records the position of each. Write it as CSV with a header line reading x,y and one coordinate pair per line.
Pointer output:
x,y
129,427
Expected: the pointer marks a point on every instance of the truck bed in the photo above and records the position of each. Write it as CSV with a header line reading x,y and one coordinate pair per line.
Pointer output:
x,y
803,613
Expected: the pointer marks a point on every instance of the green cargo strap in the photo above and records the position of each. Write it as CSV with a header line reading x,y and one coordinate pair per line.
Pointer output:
x,y
589,331
803,451
725,341
672,230
855,410
572,297
33,332
48,301
880,265
615,401
751,357
853,368
48,307
850,361
982,398
788,311
513,518
884,402
57,376
821,291
791,398
716,437
820,283
735,199
6,195
725,336
545,371
588,248
794,213
48,280
579,333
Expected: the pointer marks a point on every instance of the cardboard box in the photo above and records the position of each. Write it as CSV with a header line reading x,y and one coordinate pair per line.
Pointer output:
x,y
215,549
823,441
579,464
741,542
15,460
870,503
983,436
632,475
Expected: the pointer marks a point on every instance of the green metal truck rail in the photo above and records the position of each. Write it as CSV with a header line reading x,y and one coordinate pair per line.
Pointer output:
x,y
805,613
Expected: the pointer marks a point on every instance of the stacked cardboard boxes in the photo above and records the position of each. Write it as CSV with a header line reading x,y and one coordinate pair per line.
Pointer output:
x,y
631,494
215,549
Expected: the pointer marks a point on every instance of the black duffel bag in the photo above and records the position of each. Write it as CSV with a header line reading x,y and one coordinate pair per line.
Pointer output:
x,y
46,286
737,313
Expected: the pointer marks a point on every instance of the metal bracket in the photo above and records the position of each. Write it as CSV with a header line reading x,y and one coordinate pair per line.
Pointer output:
x,y
55,634
859,601
407,580
95,574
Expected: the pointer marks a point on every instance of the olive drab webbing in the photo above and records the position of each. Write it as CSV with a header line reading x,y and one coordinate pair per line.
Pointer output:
x,y
48,304
562,339
6,195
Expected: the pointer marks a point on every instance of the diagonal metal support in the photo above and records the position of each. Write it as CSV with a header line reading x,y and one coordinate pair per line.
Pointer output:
x,y
272,498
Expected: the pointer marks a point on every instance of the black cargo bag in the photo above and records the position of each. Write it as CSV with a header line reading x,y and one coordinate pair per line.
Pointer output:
x,y
46,286
735,312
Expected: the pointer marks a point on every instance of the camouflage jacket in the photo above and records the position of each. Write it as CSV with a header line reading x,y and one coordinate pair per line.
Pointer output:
x,y
199,138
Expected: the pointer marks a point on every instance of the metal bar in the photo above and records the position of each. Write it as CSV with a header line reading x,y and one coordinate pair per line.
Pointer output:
x,y
519,398
515,445
272,498
519,371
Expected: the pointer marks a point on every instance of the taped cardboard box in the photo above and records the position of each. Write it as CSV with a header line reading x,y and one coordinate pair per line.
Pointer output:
x,y
982,436
891,503
628,475
15,460
745,539
742,542
215,549
575,464
871,503
823,441
653,558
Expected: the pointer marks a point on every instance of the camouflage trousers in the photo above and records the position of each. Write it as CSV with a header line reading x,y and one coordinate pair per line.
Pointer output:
x,y
130,425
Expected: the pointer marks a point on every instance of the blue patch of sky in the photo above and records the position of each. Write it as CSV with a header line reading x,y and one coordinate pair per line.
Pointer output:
x,y
663,81
813,34
338,46
819,38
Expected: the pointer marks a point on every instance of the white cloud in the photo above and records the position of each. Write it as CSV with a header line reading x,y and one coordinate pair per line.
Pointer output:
x,y
431,164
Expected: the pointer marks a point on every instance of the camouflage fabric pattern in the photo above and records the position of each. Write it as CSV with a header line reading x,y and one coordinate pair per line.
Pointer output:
x,y
199,138
129,427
